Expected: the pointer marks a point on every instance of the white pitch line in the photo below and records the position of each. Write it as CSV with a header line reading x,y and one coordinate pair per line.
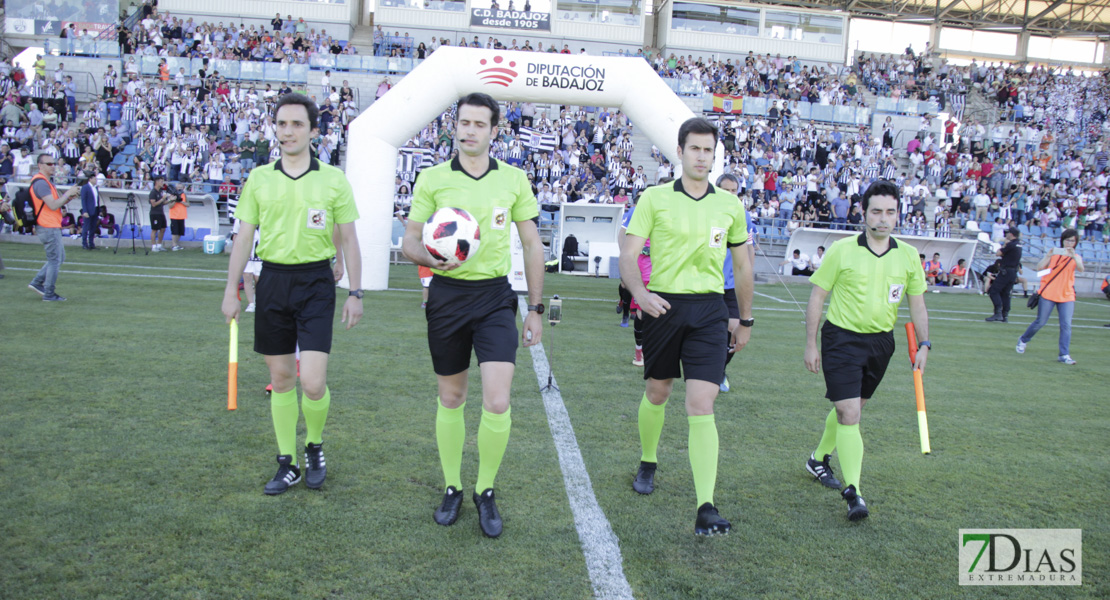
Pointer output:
x,y
84,264
762,295
600,545
139,275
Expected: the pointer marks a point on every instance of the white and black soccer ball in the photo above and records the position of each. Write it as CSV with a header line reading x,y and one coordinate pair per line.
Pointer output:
x,y
452,235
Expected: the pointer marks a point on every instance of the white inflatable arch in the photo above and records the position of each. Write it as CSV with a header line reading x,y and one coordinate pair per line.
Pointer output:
x,y
450,73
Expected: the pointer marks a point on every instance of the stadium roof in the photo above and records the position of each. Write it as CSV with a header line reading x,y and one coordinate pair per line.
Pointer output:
x,y
1070,18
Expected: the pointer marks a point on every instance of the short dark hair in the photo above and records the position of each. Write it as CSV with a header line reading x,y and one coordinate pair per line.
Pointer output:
x,y
38,161
728,177
479,99
302,100
695,125
881,187
1068,233
820,247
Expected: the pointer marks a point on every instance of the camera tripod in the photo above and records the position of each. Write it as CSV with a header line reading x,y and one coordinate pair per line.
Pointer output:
x,y
131,219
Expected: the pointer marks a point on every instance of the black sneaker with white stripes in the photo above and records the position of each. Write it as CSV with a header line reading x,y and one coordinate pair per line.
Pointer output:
x,y
288,475
315,469
710,522
822,471
857,508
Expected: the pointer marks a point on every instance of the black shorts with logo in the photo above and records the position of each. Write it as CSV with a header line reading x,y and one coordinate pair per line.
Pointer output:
x,y
470,315
690,337
157,221
853,363
295,304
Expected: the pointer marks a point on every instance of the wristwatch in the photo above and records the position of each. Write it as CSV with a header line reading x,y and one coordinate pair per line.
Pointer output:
x,y
536,307
747,322
924,343
356,293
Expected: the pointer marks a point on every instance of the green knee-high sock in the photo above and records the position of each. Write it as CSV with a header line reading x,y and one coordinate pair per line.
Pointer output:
x,y
828,438
651,427
283,407
450,437
703,455
849,445
315,415
493,437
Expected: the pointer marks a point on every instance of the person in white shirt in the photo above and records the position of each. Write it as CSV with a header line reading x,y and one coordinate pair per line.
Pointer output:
x,y
816,260
799,264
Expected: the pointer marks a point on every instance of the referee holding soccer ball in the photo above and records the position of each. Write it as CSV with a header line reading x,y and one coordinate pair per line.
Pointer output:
x,y
867,276
472,307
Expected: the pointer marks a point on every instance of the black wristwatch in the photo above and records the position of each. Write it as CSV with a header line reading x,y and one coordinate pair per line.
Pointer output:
x,y
356,293
924,343
747,322
536,307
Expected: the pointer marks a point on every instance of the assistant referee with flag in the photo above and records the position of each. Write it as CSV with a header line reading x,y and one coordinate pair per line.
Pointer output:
x,y
867,276
299,204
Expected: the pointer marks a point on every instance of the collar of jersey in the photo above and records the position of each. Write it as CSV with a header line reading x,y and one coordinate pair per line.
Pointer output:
x,y
862,241
682,190
313,165
456,165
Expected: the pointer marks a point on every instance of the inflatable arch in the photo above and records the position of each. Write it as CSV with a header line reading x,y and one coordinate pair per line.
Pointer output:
x,y
627,83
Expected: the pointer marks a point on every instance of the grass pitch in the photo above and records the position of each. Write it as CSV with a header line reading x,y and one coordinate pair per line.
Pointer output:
x,y
126,477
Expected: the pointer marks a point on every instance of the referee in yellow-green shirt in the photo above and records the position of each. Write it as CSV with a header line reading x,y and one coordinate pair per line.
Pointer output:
x,y
867,276
472,307
692,225
299,204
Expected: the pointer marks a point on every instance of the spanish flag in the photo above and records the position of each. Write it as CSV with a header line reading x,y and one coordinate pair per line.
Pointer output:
x,y
728,104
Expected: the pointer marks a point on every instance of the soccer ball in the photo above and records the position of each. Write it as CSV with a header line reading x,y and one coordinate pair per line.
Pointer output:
x,y
451,235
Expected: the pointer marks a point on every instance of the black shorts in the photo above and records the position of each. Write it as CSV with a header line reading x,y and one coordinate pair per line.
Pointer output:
x,y
177,227
295,304
470,315
157,221
689,338
853,363
731,304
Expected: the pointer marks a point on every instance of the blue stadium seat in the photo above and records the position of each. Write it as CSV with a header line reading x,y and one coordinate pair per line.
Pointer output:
x,y
1024,229
200,233
188,237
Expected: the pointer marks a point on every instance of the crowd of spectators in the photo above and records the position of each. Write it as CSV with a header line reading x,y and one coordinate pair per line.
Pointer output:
x,y
202,133
287,40
784,80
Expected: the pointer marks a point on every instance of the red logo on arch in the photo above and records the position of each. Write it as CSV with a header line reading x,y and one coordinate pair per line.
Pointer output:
x,y
498,73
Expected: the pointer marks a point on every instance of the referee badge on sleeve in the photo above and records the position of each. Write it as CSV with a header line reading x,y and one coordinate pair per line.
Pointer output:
x,y
894,296
317,218
716,237
500,218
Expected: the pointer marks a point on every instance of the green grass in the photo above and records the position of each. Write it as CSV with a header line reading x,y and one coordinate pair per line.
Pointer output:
x,y
124,476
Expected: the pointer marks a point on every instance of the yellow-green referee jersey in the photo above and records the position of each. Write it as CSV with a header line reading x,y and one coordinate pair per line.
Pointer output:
x,y
689,236
500,196
297,215
867,288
